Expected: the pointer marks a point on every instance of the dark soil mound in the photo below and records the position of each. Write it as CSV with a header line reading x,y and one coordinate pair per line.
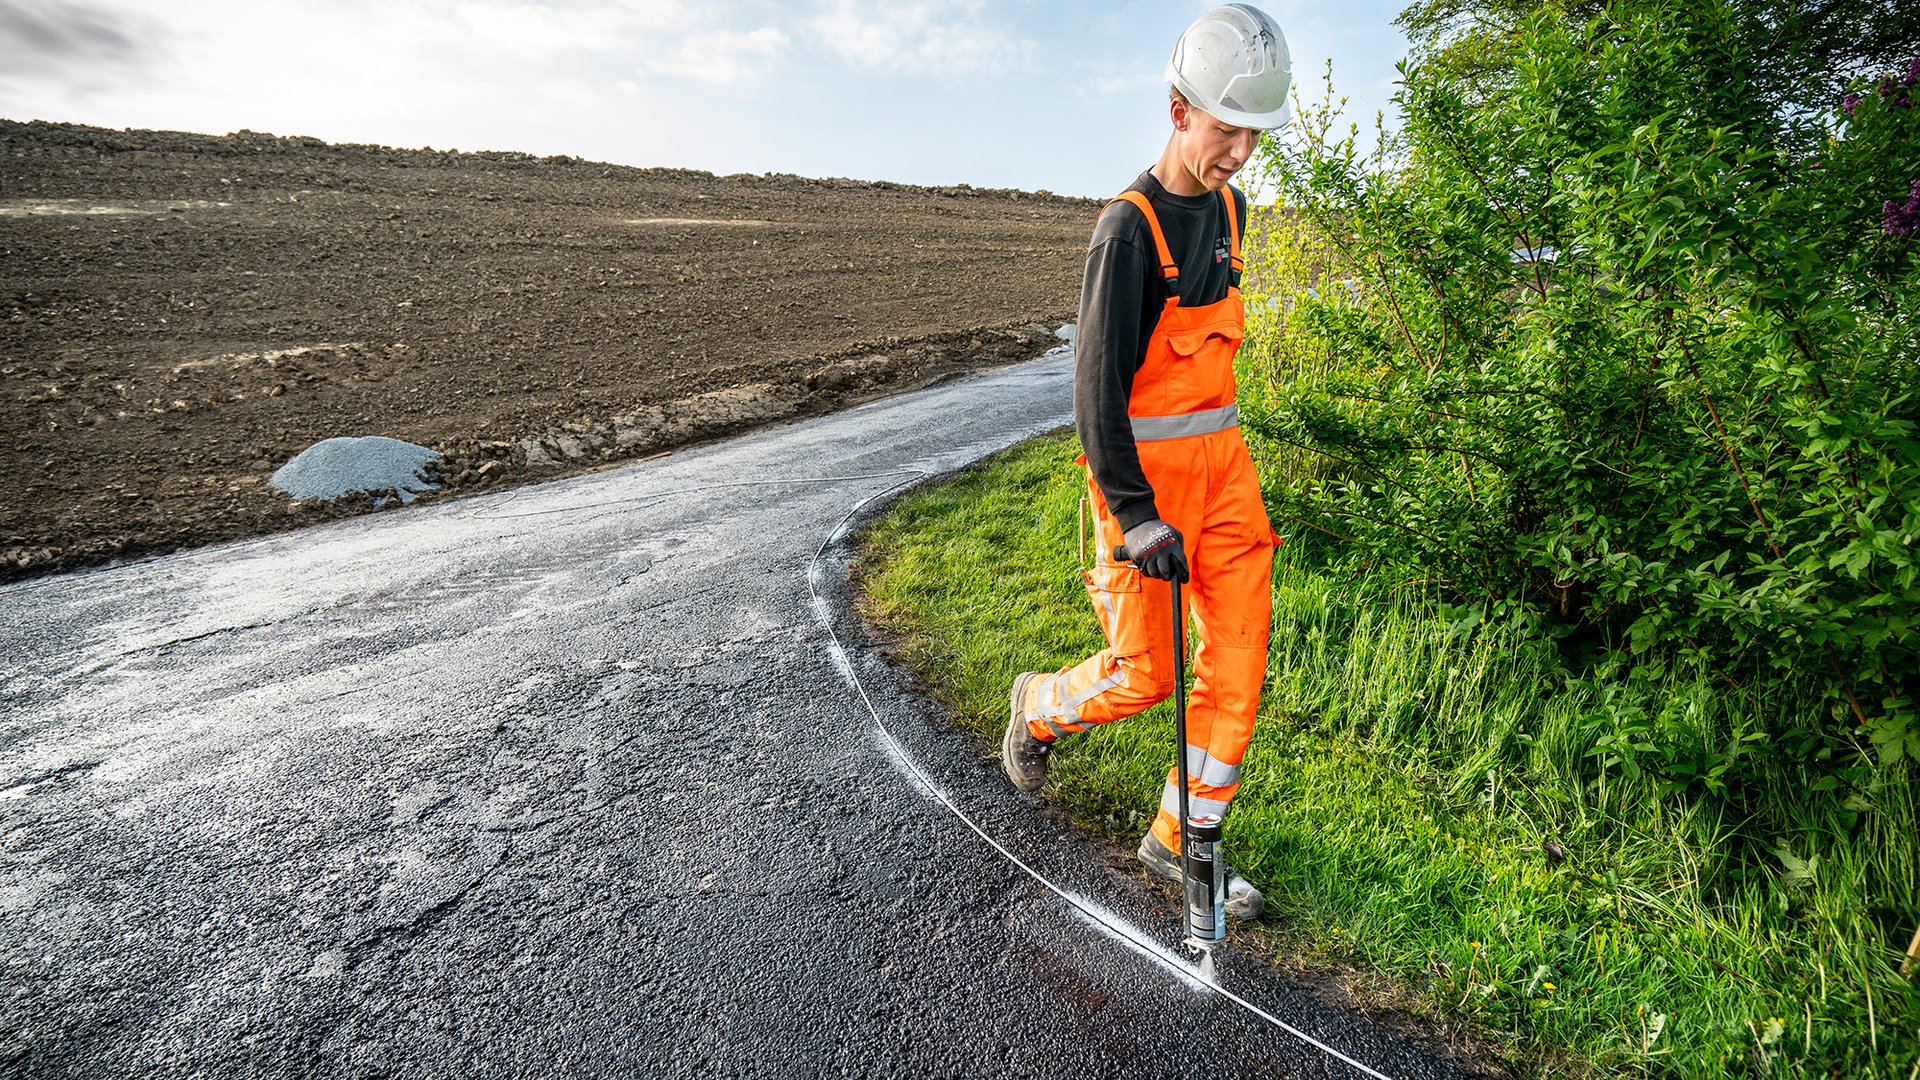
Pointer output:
x,y
181,314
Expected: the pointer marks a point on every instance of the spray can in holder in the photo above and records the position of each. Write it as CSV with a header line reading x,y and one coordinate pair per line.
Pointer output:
x,y
1206,880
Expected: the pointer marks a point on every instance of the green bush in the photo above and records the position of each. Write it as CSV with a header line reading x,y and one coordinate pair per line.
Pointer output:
x,y
1597,354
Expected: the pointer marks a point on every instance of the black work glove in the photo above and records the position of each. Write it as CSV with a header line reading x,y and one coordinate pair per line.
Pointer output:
x,y
1157,550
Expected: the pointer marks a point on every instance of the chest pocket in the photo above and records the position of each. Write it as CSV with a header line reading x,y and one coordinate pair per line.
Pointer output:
x,y
1189,341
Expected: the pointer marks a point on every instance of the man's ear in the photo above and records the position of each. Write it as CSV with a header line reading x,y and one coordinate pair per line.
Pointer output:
x,y
1179,111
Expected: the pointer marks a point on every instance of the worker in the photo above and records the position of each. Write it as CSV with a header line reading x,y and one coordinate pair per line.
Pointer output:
x,y
1168,474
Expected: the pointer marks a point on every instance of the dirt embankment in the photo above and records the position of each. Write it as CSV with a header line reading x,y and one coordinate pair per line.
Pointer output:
x,y
181,314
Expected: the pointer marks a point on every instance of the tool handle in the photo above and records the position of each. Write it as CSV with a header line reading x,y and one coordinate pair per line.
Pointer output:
x,y
1180,715
1121,554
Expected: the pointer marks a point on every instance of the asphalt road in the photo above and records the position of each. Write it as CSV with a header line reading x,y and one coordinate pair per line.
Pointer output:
x,y
568,782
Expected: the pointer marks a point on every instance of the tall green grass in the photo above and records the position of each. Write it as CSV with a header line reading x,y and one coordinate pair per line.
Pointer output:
x,y
1418,801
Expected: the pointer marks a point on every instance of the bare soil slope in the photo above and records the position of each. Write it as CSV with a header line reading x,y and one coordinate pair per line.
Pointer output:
x,y
181,314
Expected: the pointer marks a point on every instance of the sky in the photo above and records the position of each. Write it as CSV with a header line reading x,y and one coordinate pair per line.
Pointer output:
x,y
1065,96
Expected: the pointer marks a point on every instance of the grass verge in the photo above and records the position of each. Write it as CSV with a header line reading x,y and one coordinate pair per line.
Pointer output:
x,y
1414,808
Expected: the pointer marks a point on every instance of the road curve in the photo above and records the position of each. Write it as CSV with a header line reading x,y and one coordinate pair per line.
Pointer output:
x,y
569,781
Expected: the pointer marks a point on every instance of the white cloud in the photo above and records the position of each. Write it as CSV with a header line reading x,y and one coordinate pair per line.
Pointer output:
x,y
933,37
478,74
84,48
722,57
1106,82
514,28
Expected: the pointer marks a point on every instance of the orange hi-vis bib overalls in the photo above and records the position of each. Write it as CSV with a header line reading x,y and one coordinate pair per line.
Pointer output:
x,y
1186,429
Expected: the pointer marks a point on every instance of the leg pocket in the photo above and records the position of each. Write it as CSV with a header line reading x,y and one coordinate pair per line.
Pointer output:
x,y
1118,599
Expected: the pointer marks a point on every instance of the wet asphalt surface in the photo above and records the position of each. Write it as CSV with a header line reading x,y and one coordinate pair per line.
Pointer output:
x,y
568,781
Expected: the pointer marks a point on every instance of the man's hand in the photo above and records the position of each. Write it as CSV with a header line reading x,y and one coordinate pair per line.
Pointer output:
x,y
1157,550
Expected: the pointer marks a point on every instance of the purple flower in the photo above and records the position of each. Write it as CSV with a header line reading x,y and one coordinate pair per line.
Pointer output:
x,y
1895,91
1849,102
1901,219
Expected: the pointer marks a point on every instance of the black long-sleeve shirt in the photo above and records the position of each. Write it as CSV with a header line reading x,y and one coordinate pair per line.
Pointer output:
x,y
1121,297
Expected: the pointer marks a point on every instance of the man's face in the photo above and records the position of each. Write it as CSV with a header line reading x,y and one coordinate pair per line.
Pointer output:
x,y
1213,151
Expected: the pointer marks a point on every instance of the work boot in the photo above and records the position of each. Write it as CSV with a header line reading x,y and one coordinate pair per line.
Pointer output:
x,y
1023,756
1243,900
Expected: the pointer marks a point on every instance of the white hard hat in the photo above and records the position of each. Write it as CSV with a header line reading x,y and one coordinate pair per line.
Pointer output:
x,y
1233,63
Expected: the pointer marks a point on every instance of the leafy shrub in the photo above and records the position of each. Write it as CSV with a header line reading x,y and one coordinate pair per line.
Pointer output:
x,y
1599,353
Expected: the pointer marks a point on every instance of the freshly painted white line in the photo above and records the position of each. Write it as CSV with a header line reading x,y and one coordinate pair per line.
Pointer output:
x,y
1108,922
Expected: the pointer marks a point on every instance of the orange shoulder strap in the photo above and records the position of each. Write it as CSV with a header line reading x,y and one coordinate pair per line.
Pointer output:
x,y
1233,230
1168,268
